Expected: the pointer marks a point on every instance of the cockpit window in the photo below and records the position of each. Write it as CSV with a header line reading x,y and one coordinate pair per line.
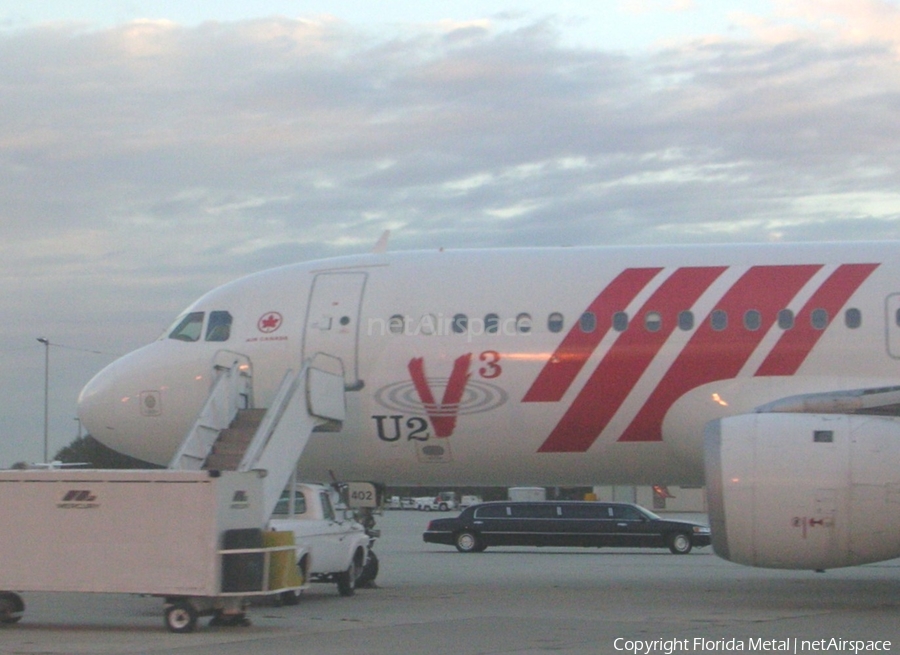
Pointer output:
x,y
219,327
189,328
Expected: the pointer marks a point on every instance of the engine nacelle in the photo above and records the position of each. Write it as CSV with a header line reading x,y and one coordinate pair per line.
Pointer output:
x,y
804,491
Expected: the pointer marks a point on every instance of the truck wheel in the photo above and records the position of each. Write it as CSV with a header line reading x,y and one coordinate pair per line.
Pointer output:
x,y
369,572
181,617
443,507
346,581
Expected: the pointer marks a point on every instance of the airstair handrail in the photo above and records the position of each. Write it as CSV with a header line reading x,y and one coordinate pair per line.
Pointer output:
x,y
218,412
273,415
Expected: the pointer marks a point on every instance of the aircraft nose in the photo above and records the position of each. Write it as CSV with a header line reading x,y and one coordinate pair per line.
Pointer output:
x,y
99,404
143,404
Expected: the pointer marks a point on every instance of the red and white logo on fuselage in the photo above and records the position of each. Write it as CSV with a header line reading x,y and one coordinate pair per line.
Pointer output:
x,y
460,394
711,352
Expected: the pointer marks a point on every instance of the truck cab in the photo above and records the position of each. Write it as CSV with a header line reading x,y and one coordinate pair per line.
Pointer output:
x,y
337,544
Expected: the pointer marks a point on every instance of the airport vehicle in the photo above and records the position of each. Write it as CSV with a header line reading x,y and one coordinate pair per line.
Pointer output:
x,y
526,493
401,502
469,500
193,538
337,546
769,372
581,524
443,502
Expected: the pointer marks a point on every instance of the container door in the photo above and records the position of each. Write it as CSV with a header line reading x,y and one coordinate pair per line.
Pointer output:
x,y
332,321
892,318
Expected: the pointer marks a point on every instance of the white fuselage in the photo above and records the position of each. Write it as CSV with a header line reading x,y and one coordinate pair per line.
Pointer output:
x,y
526,367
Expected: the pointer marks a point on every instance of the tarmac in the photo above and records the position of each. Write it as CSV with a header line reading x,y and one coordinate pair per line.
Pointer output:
x,y
431,599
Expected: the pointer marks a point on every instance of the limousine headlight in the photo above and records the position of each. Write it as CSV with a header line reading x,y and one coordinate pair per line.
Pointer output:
x,y
701,529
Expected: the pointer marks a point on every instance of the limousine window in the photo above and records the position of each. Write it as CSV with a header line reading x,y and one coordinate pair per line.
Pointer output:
x,y
592,511
626,513
492,512
534,511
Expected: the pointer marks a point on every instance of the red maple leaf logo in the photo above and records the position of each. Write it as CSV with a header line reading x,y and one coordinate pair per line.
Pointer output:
x,y
269,322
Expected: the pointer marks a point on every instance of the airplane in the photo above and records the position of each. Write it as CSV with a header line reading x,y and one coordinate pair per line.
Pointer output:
x,y
768,372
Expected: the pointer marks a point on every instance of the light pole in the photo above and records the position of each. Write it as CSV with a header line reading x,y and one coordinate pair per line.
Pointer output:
x,y
46,343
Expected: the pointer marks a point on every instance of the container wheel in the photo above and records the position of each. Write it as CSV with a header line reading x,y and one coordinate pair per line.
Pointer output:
x,y
181,617
11,607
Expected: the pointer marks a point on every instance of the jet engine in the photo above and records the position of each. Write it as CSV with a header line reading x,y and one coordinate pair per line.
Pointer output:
x,y
804,491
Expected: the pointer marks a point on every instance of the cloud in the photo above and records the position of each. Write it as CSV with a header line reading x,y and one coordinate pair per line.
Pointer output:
x,y
142,164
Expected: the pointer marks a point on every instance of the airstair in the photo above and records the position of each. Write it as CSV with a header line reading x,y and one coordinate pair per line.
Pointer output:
x,y
231,435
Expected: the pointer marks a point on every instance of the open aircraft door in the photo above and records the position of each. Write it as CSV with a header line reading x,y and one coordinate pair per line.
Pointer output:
x,y
332,321
892,324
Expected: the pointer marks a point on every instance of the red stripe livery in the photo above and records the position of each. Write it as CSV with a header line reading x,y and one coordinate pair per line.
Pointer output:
x,y
711,353
626,361
568,359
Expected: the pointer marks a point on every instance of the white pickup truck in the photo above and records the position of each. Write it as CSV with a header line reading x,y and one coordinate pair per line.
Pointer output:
x,y
337,544
444,501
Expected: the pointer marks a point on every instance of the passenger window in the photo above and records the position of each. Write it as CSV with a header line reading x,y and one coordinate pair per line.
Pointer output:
x,y
627,513
752,320
819,319
188,328
219,328
653,321
523,323
719,320
534,511
785,319
396,324
587,322
853,318
428,325
282,508
620,321
555,322
460,324
686,320
491,512
583,511
491,323
299,503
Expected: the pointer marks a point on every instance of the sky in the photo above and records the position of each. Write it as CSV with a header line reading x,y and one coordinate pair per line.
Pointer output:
x,y
150,151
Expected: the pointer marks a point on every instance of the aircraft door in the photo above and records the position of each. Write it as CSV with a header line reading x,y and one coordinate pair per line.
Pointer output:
x,y
332,321
892,311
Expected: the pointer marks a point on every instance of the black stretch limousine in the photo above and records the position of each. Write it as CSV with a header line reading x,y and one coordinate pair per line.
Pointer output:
x,y
564,523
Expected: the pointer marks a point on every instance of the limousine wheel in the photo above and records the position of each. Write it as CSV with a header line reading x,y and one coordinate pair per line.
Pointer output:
x,y
680,543
468,542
